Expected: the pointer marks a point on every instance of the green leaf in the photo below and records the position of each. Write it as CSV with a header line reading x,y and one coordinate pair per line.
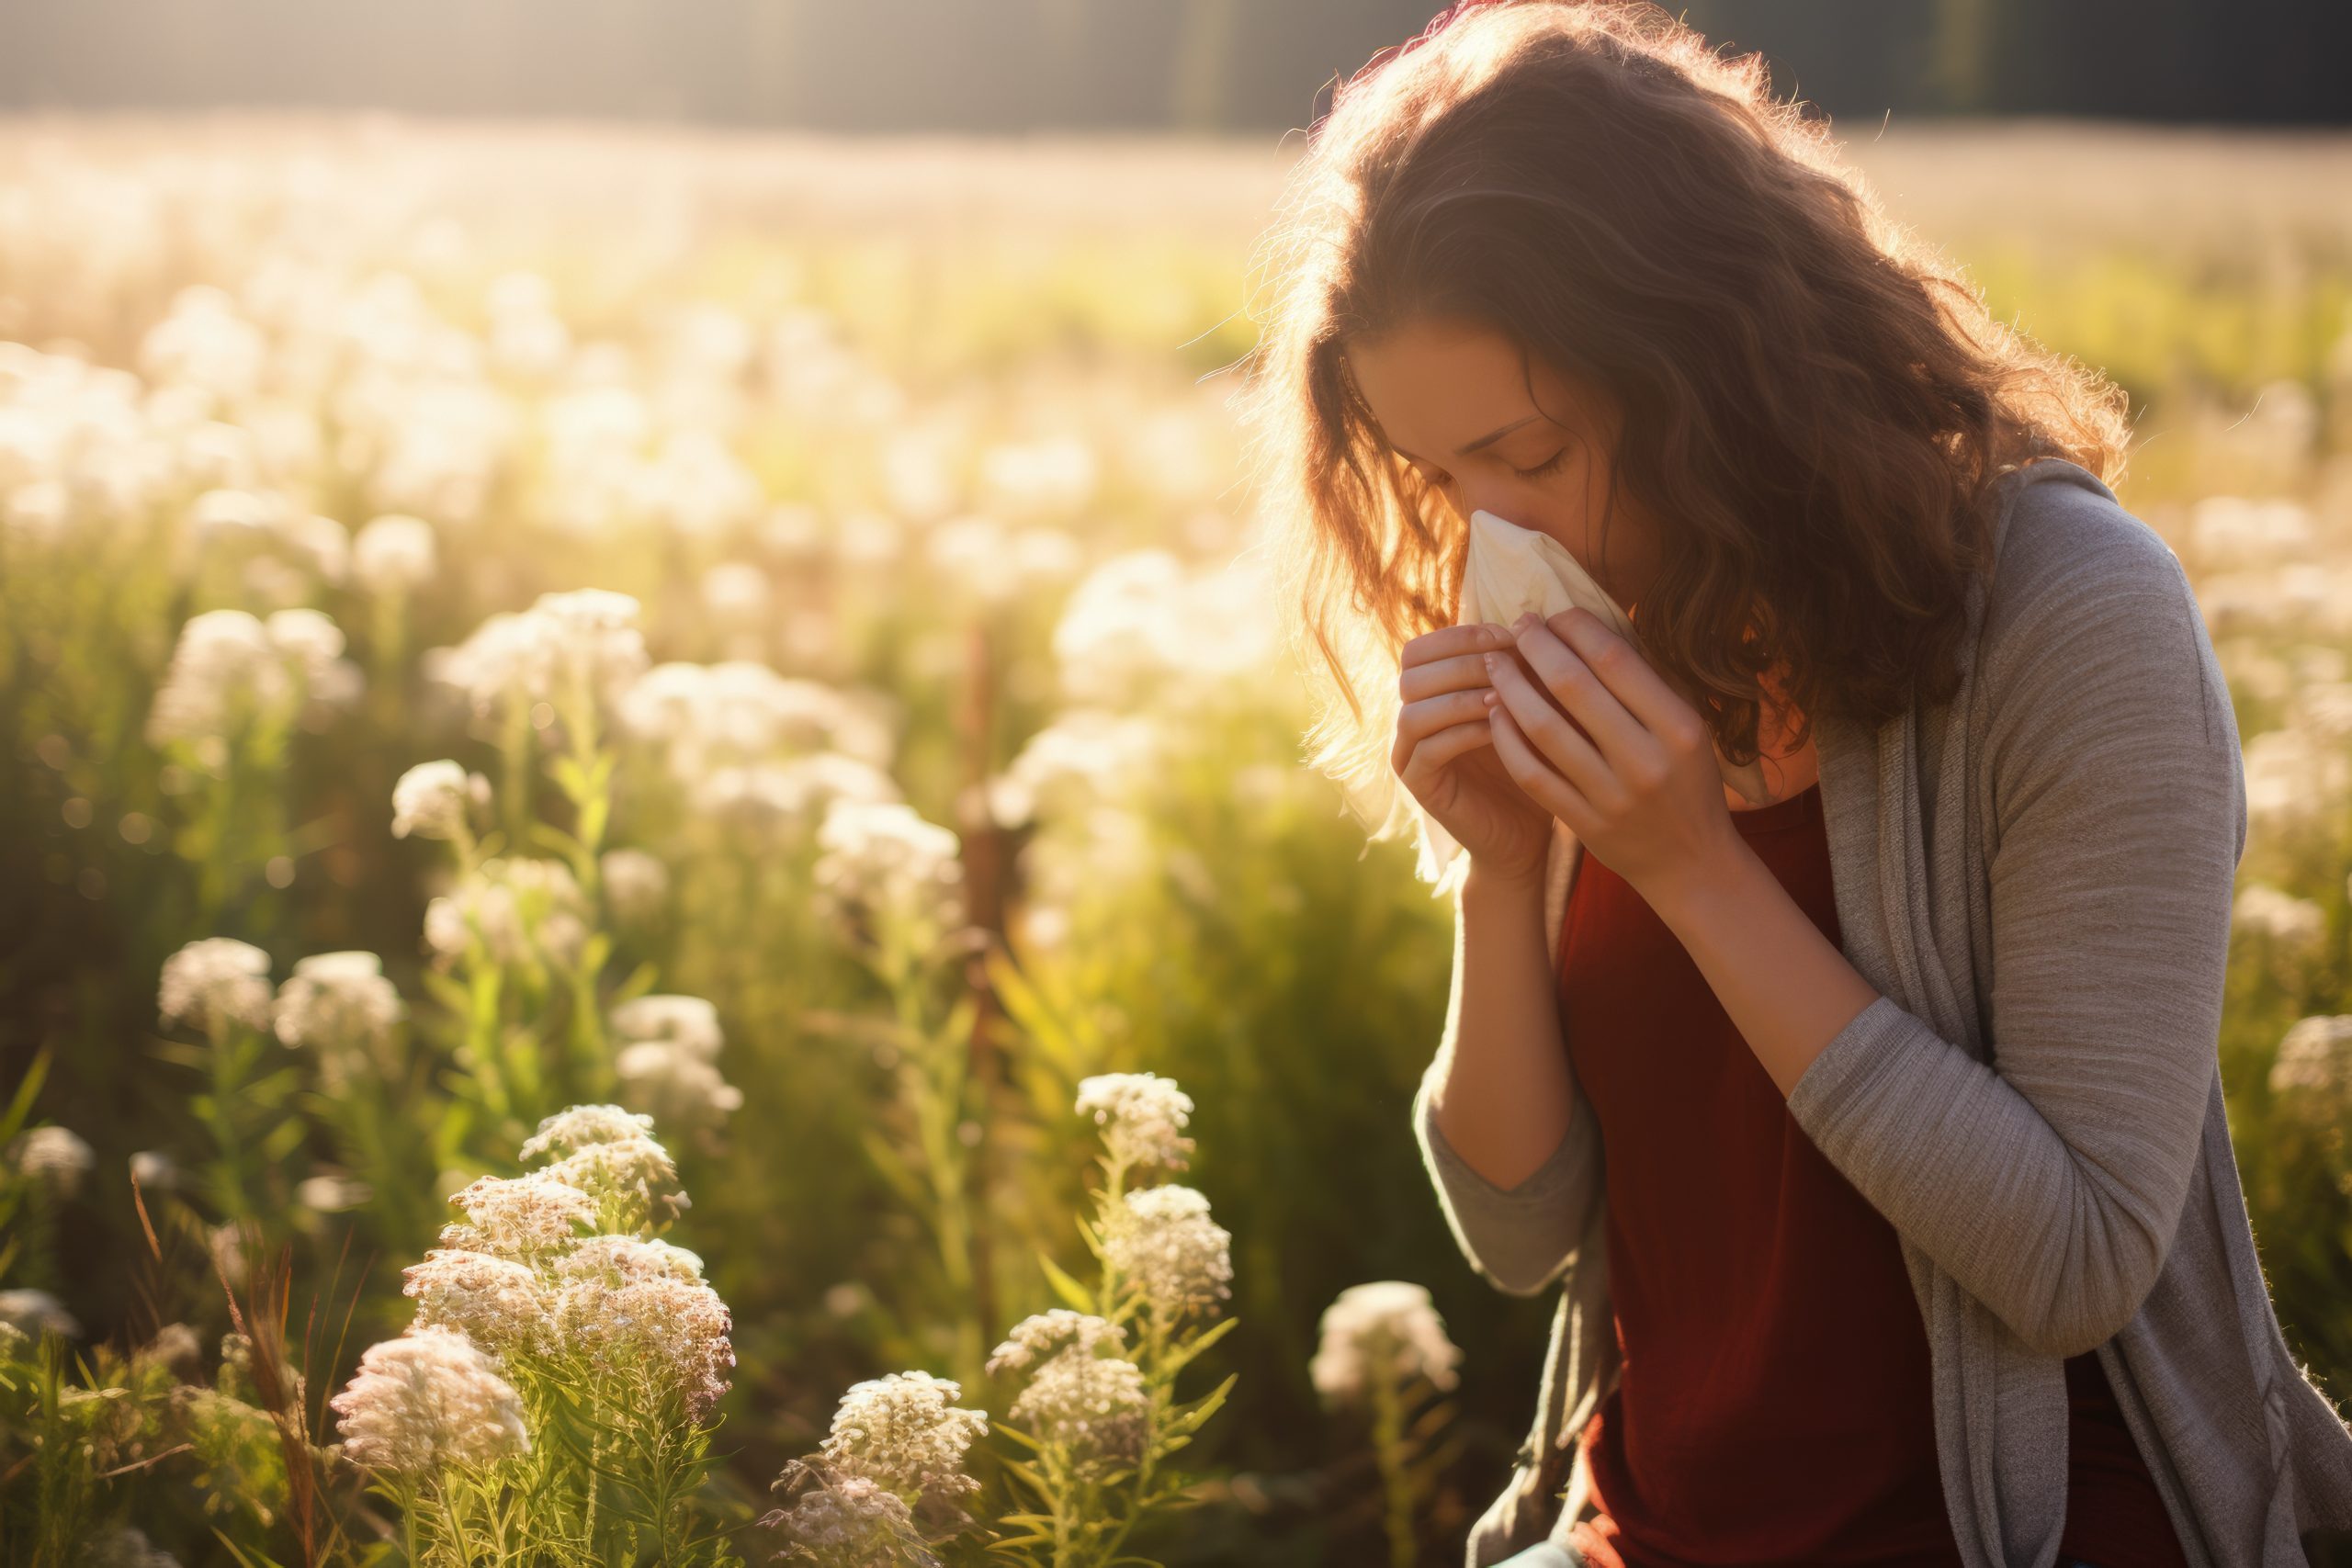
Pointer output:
x,y
1077,1295
20,1104
1177,1361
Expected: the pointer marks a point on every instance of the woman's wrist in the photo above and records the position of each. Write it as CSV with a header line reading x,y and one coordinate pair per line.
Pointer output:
x,y
1486,883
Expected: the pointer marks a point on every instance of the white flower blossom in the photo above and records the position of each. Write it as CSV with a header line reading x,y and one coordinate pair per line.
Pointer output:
x,y
438,800
521,911
904,1432
341,1005
499,1305
637,886
2313,1067
1142,1116
848,1521
884,858
1040,1333
56,1157
427,1399
34,1312
644,1305
1164,1244
1387,1329
394,554
216,983
523,1218
576,1127
1095,1407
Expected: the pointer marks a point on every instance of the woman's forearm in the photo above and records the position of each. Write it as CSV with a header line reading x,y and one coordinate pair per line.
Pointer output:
x,y
1501,1089
1782,981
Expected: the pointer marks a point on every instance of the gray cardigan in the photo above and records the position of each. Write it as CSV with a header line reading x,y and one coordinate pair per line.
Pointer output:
x,y
2037,877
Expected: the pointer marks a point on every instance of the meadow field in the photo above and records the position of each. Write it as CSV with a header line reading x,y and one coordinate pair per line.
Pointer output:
x,y
663,754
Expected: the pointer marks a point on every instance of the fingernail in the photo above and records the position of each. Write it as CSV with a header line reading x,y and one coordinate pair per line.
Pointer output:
x,y
1526,619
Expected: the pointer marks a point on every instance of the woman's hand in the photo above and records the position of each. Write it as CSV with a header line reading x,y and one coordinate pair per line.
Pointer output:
x,y
1630,767
1444,752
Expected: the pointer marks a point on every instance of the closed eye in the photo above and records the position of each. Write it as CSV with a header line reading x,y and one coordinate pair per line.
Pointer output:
x,y
1550,466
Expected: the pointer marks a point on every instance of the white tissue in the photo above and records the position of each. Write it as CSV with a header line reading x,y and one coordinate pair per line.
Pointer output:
x,y
1511,570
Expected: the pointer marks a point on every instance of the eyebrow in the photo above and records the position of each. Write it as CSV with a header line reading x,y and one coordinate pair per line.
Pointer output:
x,y
1487,440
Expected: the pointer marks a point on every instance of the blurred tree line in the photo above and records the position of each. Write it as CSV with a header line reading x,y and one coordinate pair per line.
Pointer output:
x,y
1003,65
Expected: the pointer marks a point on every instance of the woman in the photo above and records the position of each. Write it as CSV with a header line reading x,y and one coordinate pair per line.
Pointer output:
x,y
1876,1129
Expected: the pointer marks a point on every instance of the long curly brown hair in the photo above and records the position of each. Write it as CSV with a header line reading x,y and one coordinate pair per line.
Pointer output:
x,y
1813,401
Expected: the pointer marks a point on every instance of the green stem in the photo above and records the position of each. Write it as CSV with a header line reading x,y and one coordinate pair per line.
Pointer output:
x,y
1396,1483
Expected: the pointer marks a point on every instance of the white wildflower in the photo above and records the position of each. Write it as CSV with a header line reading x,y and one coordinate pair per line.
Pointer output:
x,y
224,672
394,554
2313,1063
330,1192
1163,1242
502,1306
427,1399
578,1126
668,1061
1097,1407
848,1521
2269,912
633,1179
641,1306
884,858
56,1157
1142,1115
1387,1329
154,1171
35,1313
520,910
341,1005
438,800
216,983
637,886
687,1024
525,1218
904,1432
1040,1333
127,1546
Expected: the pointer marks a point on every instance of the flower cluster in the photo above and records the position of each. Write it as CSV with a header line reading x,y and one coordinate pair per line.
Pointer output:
x,y
341,1005
214,984
904,1433
1386,1329
438,800
520,911
1163,1242
1142,1116
427,1399
1096,1407
668,1061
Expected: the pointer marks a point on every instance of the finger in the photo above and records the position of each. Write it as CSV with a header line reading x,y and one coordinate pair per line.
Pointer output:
x,y
1416,722
1469,638
1436,750
1582,691
1636,684
1462,671
1532,773
1554,737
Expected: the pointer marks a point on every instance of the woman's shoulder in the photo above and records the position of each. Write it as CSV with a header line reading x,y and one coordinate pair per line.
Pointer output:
x,y
2090,623
2072,560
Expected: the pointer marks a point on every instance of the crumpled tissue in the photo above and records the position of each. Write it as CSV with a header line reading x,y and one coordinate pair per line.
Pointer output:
x,y
1511,570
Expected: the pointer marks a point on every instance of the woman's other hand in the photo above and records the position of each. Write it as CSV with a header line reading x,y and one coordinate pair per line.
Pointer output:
x,y
1630,766
1444,752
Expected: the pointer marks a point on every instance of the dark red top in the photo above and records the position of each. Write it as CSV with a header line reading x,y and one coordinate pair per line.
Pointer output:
x,y
1774,1406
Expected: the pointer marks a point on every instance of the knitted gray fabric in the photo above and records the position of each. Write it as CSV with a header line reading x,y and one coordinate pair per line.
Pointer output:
x,y
2037,877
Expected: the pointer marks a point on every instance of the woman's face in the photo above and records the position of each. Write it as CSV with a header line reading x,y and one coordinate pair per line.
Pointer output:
x,y
1452,398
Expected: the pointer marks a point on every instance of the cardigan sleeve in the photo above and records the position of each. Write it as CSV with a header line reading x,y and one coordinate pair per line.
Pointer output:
x,y
1518,1238
2050,1183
